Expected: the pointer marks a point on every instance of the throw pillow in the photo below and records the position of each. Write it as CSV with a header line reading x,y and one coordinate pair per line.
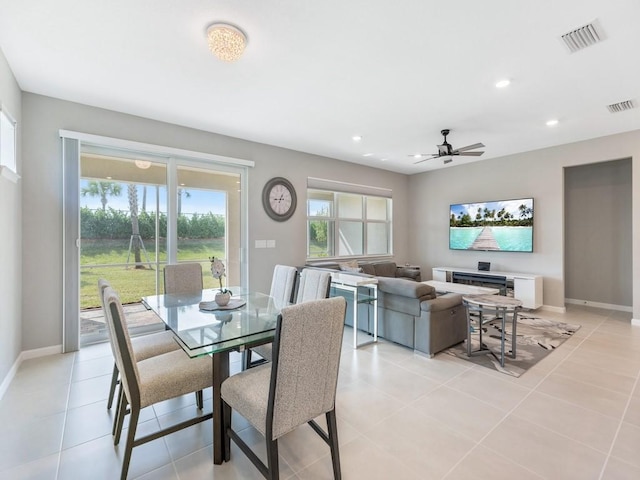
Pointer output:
x,y
351,266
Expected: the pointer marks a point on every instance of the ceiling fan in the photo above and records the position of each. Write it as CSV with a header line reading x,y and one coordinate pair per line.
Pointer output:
x,y
447,152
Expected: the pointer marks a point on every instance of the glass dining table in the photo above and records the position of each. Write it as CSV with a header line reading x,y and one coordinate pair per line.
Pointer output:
x,y
202,328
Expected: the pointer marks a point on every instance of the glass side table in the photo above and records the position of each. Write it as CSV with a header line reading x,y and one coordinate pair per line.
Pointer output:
x,y
350,283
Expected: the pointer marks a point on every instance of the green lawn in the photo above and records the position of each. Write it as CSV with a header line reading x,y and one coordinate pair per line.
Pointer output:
x,y
132,283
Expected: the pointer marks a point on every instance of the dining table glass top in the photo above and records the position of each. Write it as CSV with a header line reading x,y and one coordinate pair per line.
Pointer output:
x,y
205,332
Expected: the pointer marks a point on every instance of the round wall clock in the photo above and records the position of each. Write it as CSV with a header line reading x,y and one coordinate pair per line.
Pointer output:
x,y
279,199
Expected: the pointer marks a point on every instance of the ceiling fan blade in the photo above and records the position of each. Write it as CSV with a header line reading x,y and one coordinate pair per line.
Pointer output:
x,y
470,154
431,157
469,147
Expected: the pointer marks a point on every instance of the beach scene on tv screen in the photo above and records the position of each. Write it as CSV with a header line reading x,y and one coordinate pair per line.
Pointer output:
x,y
505,226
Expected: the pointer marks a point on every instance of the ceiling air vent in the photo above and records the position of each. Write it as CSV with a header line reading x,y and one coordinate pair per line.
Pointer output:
x,y
620,106
582,37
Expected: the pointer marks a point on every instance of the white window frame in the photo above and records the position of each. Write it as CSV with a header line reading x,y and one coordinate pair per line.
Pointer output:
x,y
8,146
335,189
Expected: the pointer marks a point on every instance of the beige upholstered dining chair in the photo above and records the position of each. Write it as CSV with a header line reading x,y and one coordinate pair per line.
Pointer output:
x,y
145,346
150,381
296,387
283,285
183,278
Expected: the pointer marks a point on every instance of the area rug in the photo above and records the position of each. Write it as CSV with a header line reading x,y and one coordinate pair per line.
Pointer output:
x,y
535,339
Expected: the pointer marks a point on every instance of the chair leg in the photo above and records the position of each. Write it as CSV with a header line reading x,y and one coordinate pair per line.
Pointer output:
x,y
122,411
332,428
116,417
199,400
226,419
131,436
114,382
272,459
246,359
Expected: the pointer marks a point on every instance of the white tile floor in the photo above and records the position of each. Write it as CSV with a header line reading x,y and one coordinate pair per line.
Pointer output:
x,y
575,415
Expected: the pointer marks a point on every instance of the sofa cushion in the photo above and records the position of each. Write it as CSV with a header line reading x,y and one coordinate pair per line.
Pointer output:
x,y
406,288
368,268
385,269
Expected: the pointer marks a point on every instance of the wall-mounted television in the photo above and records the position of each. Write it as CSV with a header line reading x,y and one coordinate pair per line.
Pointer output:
x,y
501,226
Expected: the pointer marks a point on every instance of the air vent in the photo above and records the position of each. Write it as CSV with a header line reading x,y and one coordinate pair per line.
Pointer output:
x,y
582,37
621,106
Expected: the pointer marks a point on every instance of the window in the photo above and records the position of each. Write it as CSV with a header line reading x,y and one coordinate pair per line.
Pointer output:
x,y
8,146
347,224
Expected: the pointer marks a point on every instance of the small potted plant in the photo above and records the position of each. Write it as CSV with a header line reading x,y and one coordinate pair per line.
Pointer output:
x,y
217,270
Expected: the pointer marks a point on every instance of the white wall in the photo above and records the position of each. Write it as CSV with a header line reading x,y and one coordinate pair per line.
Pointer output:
x,y
11,231
42,235
537,174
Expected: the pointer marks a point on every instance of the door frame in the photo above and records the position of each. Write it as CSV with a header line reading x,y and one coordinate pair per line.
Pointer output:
x,y
72,143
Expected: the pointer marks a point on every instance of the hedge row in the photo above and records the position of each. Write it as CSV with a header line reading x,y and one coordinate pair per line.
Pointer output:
x,y
112,223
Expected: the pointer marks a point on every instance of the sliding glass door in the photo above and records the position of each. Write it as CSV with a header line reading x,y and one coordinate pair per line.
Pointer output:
x,y
139,212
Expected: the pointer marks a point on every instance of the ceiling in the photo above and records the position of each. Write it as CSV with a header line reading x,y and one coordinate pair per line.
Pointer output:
x,y
314,74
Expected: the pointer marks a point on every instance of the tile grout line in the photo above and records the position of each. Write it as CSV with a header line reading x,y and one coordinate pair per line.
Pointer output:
x,y
66,414
510,412
615,436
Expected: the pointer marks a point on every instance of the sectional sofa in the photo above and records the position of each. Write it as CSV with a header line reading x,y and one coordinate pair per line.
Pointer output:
x,y
409,312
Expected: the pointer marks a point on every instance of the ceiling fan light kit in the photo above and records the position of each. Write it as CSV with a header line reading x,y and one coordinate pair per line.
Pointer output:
x,y
446,151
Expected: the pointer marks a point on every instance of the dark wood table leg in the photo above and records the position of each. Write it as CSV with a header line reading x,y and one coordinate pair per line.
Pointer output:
x,y
220,374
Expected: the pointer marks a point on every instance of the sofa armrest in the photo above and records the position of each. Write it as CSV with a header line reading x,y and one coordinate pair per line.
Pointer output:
x,y
410,273
448,300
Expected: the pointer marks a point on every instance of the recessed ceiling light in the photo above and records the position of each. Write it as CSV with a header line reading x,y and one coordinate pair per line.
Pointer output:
x,y
417,155
367,154
503,83
356,138
383,159
552,123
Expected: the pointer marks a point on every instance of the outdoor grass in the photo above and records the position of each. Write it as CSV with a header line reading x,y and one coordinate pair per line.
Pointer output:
x,y
106,259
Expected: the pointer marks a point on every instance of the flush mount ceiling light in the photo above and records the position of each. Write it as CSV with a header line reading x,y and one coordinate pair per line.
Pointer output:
x,y
226,41
143,164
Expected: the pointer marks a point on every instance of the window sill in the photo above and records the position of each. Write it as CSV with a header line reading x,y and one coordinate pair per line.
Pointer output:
x,y
9,174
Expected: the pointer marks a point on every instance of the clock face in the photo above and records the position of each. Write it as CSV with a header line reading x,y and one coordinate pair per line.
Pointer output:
x,y
279,199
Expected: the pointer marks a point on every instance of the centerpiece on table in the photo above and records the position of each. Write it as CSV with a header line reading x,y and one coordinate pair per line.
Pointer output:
x,y
217,270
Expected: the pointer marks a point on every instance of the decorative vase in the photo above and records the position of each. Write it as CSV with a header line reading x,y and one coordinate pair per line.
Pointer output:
x,y
222,299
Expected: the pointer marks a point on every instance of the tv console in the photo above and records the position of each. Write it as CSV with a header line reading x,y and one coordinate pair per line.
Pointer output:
x,y
526,287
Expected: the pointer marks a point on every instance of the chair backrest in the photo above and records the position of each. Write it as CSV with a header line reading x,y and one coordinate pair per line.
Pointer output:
x,y
121,344
183,278
102,286
314,285
283,284
306,357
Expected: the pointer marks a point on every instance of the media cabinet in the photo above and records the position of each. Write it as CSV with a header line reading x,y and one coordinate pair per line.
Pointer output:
x,y
526,287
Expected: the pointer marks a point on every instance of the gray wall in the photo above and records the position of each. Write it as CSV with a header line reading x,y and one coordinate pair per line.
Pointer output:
x,y
44,117
10,226
537,174
598,233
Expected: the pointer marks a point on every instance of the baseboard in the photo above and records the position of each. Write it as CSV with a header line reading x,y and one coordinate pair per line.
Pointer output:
x,y
608,306
41,352
26,355
549,308
4,386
